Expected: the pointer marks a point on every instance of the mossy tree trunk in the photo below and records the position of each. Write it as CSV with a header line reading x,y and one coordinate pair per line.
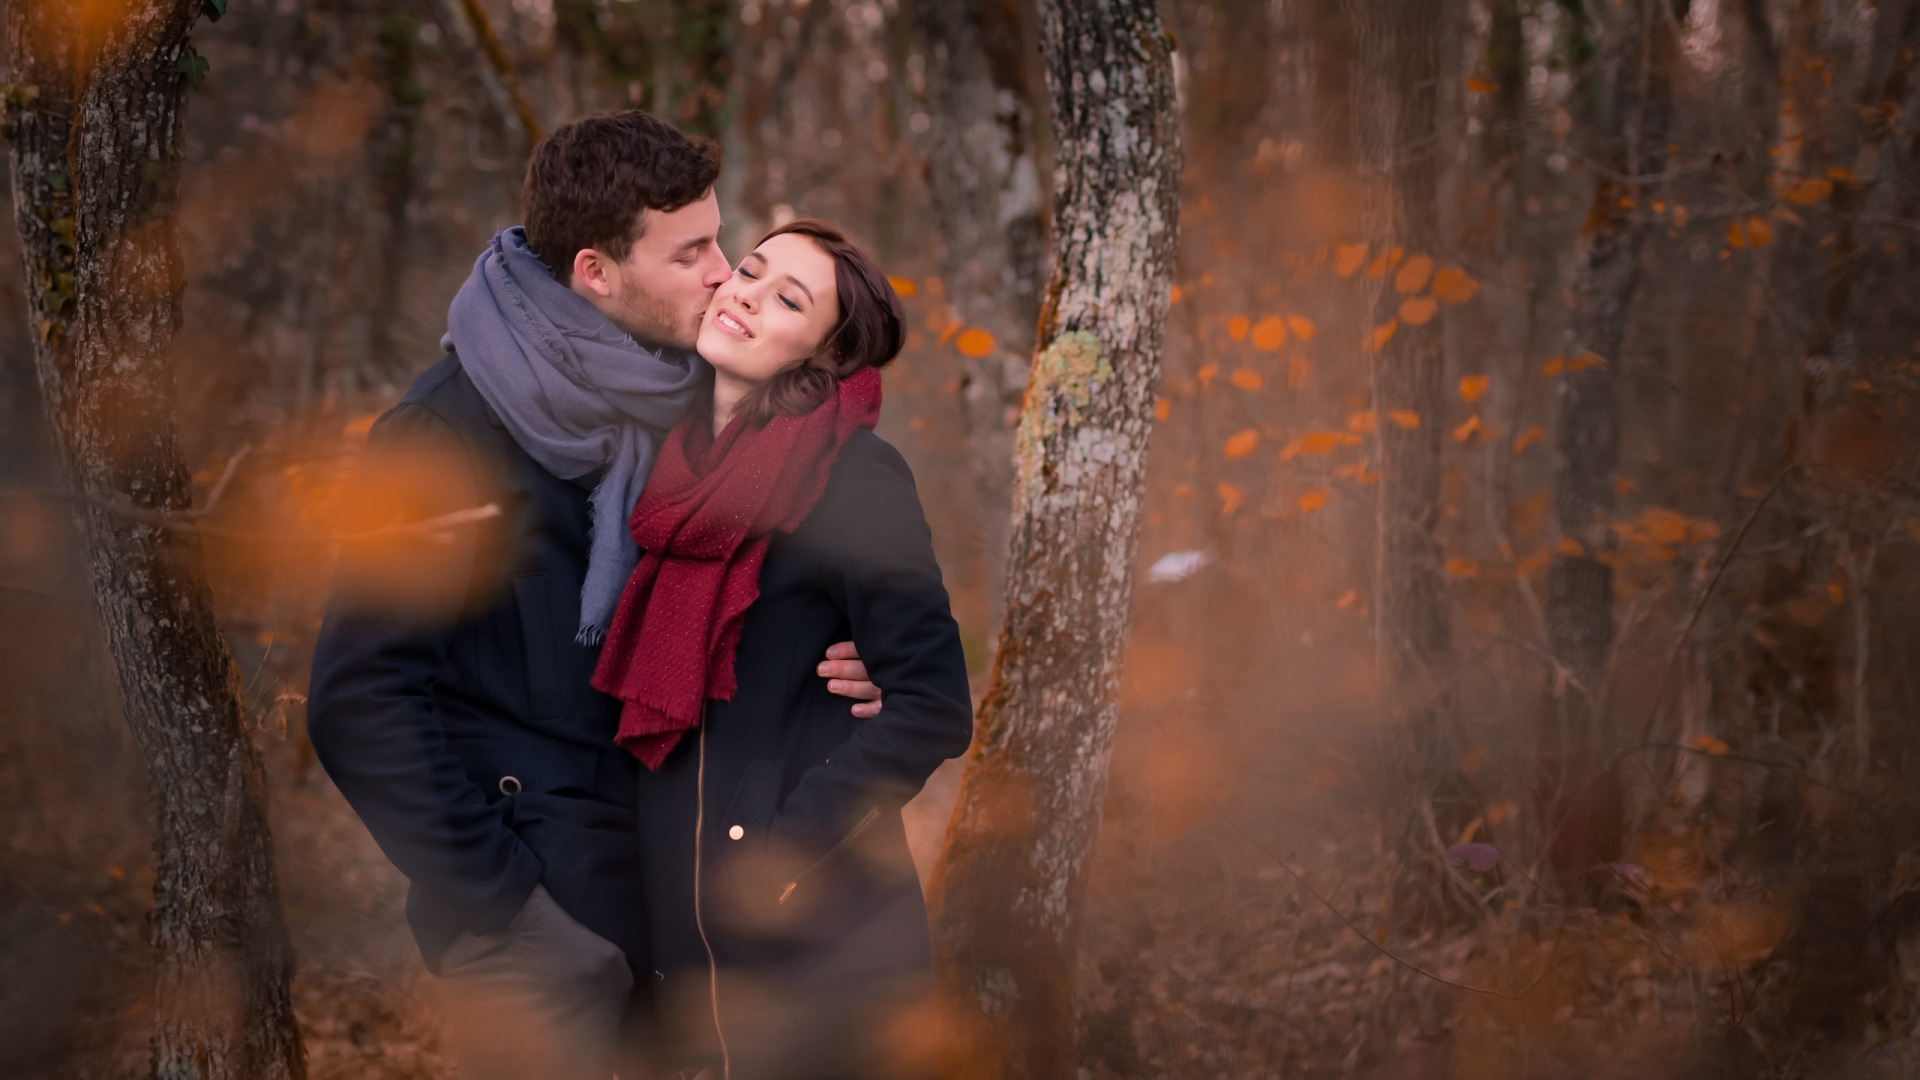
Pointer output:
x,y
94,117
1007,892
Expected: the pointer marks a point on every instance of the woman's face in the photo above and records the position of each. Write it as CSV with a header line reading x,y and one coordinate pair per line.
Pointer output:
x,y
773,312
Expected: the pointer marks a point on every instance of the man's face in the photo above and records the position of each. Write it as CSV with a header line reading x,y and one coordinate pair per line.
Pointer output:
x,y
659,292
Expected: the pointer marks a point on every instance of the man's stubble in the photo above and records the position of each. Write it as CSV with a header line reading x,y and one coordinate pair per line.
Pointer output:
x,y
653,321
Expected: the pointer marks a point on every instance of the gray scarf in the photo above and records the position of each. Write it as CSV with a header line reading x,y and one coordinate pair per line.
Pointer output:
x,y
577,393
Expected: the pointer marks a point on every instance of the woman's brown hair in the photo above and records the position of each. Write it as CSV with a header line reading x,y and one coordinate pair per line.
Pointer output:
x,y
869,332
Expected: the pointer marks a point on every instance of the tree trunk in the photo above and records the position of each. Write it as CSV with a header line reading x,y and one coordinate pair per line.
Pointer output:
x,y
982,174
94,117
1396,132
1622,126
1007,892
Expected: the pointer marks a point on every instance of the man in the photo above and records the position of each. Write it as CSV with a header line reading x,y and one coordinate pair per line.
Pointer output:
x,y
450,699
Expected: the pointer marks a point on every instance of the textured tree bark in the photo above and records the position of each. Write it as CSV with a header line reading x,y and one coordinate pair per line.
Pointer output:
x,y
1623,129
981,172
1395,118
1006,896
94,118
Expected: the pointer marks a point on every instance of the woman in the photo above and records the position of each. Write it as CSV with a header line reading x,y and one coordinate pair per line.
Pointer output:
x,y
787,925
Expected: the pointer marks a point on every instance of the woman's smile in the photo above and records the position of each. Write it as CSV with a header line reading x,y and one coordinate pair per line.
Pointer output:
x,y
731,324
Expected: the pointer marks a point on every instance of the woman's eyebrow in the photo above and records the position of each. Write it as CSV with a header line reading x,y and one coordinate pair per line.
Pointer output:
x,y
796,281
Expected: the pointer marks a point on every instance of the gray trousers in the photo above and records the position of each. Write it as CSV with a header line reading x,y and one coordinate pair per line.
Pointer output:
x,y
541,1000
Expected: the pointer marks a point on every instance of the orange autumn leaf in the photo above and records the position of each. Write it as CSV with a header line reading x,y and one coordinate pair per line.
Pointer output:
x,y
1584,361
1237,326
1533,434
1357,472
1301,326
1312,500
1462,567
1474,387
1808,192
1418,310
1347,599
1382,334
1712,744
1835,592
1183,490
1405,418
1413,275
1670,527
903,287
1531,565
1468,429
1348,258
1361,421
1173,295
1242,443
1554,366
1478,85
1737,235
1246,379
1230,499
1569,547
1318,442
1206,374
1759,231
1378,267
1162,408
974,342
1269,333
1452,285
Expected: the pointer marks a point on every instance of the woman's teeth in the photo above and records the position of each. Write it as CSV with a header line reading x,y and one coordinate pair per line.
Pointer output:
x,y
729,322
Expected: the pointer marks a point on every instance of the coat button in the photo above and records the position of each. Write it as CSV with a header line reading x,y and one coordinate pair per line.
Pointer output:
x,y
509,785
736,833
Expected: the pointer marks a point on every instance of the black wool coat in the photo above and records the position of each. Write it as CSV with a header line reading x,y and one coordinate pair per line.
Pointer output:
x,y
805,884
457,718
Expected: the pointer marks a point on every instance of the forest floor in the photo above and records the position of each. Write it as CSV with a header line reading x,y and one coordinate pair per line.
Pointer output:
x,y
1203,955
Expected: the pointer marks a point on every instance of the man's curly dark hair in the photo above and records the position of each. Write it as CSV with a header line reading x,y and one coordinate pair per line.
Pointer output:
x,y
591,179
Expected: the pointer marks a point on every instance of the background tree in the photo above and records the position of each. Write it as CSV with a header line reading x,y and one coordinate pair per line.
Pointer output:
x,y
1007,892
1621,117
94,118
1399,49
983,173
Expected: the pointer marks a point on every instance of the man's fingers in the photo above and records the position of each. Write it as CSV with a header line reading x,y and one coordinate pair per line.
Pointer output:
x,y
851,670
843,650
859,691
867,710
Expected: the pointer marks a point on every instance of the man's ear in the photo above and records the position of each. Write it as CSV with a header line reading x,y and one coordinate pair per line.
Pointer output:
x,y
590,273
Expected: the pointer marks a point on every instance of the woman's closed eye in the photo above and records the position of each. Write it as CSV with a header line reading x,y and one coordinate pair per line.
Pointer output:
x,y
791,306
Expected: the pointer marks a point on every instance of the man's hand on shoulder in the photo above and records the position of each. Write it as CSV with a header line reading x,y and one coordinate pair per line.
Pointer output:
x,y
847,677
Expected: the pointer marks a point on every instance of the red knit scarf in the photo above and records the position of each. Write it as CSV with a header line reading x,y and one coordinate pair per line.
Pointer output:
x,y
709,511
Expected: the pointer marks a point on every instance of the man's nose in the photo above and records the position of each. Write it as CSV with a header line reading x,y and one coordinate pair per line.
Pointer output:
x,y
717,270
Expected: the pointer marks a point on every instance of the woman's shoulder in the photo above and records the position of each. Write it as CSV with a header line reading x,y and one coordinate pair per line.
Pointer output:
x,y
870,493
867,458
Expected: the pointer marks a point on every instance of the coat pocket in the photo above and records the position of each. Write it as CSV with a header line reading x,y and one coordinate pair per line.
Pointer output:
x,y
755,798
545,695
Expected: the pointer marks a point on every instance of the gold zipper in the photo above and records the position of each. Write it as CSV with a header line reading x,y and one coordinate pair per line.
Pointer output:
x,y
873,815
713,965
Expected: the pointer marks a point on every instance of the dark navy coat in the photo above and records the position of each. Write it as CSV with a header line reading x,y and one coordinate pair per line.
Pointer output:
x,y
807,888
469,740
